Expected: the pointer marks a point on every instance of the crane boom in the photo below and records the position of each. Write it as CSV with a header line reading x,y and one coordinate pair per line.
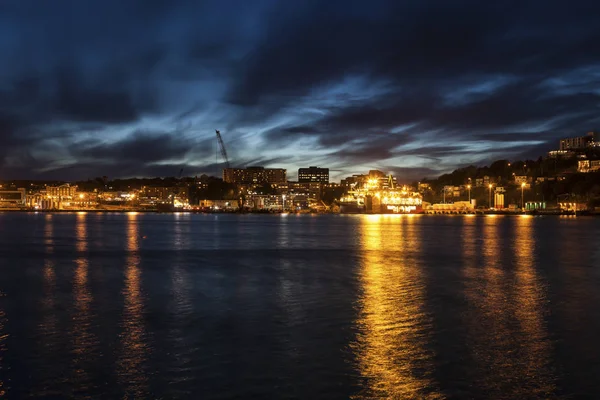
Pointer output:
x,y
222,147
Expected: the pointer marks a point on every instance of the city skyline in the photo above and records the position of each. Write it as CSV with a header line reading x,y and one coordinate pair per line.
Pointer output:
x,y
415,89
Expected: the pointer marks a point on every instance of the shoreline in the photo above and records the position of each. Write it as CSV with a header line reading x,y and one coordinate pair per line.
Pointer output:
x,y
127,211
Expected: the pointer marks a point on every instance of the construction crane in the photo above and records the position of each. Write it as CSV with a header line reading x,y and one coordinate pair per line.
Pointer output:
x,y
222,147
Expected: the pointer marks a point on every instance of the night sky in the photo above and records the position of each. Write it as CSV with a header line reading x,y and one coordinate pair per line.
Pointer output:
x,y
417,88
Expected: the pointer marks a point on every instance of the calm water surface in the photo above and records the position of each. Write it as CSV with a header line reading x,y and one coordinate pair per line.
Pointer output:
x,y
249,306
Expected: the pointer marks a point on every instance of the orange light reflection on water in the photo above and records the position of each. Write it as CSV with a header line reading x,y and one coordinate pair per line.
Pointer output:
x,y
489,324
507,337
133,338
48,327
83,339
530,301
393,325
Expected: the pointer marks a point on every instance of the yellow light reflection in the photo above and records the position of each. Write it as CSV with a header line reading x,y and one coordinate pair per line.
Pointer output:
x,y
133,339
391,350
505,327
470,253
48,328
83,339
181,304
489,298
535,343
49,233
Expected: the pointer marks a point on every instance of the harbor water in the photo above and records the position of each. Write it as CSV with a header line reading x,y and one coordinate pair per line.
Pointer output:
x,y
131,305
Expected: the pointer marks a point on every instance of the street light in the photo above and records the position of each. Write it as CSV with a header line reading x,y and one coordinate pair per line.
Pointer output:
x,y
469,187
490,200
283,205
522,189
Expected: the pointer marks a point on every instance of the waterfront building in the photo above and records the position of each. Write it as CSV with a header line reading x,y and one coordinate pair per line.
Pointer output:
x,y
313,174
228,205
178,195
267,202
61,192
255,175
572,206
498,200
10,198
371,199
535,205
309,189
458,207
156,193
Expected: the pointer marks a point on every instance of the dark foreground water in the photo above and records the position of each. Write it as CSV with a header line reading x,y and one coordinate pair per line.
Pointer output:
x,y
224,306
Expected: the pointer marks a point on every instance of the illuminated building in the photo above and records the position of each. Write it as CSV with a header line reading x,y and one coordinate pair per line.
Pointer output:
x,y
62,192
561,154
483,182
254,175
499,200
156,193
588,166
424,187
572,206
219,204
12,197
579,142
535,205
370,197
178,195
313,174
308,189
521,179
458,207
267,202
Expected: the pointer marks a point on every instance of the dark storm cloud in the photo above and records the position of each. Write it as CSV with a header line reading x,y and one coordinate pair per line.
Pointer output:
x,y
141,147
104,85
513,137
415,43
425,51
74,102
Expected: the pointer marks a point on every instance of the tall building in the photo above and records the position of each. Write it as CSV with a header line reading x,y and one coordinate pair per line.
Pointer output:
x,y
595,142
313,174
578,143
255,175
